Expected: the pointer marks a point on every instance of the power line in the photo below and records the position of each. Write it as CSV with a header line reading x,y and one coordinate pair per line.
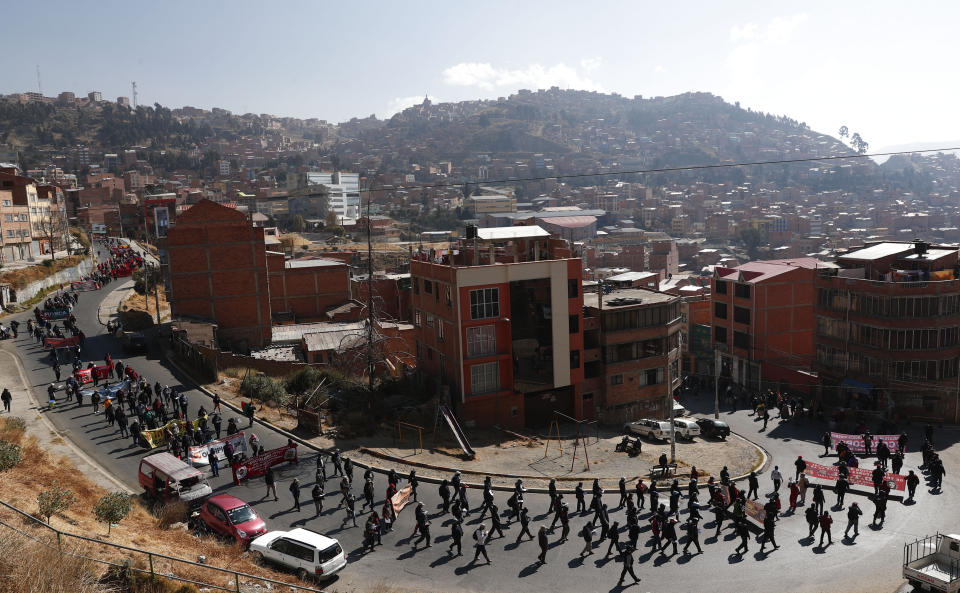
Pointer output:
x,y
664,169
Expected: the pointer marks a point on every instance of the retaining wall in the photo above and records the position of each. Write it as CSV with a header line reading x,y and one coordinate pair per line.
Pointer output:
x,y
65,276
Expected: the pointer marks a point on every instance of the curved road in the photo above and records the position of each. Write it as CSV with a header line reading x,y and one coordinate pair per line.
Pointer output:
x,y
872,563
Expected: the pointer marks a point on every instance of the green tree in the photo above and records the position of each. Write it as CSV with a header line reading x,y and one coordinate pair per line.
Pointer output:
x,y
859,144
752,240
54,500
331,220
298,225
112,508
844,132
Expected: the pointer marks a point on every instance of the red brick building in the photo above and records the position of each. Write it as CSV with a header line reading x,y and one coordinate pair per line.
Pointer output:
x,y
221,271
887,339
218,272
499,326
763,323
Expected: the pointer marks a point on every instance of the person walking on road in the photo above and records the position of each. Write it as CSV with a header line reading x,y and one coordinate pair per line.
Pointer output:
x,y
841,489
753,485
271,484
826,441
216,402
581,503
826,522
801,466
670,536
880,510
853,520
295,492
544,543
777,478
424,534
413,482
912,482
587,534
524,525
744,535
626,558
769,532
7,399
317,495
351,504
456,538
693,535
480,537
818,498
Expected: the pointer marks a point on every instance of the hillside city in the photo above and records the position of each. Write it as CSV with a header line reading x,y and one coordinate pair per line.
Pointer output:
x,y
499,268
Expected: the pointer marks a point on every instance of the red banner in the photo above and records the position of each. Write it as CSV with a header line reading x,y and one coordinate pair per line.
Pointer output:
x,y
131,374
85,285
855,441
400,499
257,466
102,372
49,343
83,376
858,476
755,511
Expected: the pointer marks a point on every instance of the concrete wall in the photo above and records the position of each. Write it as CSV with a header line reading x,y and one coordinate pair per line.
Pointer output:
x,y
63,276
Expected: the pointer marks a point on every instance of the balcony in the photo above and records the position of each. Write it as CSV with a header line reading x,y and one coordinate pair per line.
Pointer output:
x,y
591,355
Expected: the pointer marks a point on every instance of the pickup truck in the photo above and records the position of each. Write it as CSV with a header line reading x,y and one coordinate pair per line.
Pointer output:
x,y
933,563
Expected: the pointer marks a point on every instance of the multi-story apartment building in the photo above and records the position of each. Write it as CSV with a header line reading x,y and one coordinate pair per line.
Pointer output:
x,y
15,236
888,330
763,323
343,188
499,326
45,208
631,353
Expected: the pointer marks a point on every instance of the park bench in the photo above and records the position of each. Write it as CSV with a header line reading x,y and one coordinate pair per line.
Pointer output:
x,y
663,471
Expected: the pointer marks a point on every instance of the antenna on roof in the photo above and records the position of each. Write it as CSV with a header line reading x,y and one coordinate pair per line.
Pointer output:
x,y
39,86
133,85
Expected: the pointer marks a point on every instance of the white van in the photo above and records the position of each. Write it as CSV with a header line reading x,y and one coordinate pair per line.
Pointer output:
x,y
686,428
306,552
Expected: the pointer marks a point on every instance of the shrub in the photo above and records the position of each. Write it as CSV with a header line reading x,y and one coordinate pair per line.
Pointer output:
x,y
15,424
112,508
264,388
305,380
55,500
11,455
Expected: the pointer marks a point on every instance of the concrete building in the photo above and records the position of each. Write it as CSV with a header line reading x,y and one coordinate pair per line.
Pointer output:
x,y
499,326
631,353
343,190
888,331
479,205
15,236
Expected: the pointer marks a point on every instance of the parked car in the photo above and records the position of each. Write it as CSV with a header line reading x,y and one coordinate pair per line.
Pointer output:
x,y
654,429
678,409
232,518
713,428
133,342
306,552
686,428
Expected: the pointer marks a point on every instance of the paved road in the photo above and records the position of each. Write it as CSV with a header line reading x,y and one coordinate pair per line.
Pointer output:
x,y
872,563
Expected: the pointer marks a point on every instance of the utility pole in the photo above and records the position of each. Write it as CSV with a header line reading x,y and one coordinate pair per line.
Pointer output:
x,y
133,85
370,316
156,292
39,86
673,429
716,384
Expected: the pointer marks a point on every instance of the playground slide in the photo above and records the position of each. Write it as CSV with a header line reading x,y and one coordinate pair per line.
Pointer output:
x,y
457,431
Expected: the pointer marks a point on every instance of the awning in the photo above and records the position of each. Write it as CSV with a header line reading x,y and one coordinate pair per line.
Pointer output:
x,y
857,386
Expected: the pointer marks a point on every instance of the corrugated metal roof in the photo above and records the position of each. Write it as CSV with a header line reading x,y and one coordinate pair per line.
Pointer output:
x,y
508,233
293,333
572,222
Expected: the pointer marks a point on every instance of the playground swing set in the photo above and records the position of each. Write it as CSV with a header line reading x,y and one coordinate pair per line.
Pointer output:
x,y
583,431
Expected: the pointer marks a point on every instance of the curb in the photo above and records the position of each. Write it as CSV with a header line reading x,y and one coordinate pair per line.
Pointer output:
x,y
428,479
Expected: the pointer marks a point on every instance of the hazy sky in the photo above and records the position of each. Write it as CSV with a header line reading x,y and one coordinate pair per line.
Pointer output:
x,y
885,69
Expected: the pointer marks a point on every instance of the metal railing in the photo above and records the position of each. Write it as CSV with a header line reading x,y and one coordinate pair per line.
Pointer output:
x,y
158,565
929,546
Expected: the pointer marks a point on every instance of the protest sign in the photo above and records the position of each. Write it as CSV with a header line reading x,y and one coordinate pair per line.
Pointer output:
x,y
400,499
257,466
855,441
201,455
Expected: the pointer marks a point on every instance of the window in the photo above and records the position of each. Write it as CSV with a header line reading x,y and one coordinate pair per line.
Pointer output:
x,y
11,233
741,340
741,315
574,359
742,291
650,377
484,378
616,380
416,318
7,218
7,203
449,300
719,334
572,289
429,320
484,303
721,287
481,341
720,310
439,329
574,324
427,287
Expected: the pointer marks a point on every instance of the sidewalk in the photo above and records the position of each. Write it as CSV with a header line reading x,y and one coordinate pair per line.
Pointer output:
x,y
56,443
110,305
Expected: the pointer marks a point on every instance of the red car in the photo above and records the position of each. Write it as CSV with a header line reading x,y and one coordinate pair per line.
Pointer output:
x,y
231,517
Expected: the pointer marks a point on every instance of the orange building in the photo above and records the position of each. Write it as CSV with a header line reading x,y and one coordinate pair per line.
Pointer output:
x,y
499,326
763,323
